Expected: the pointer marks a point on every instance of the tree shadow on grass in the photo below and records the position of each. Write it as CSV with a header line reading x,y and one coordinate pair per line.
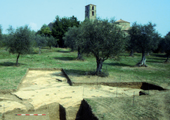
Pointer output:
x,y
119,64
62,51
162,56
10,64
75,72
152,61
156,60
65,58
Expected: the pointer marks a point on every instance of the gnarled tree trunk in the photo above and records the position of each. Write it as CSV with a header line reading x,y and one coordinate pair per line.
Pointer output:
x,y
143,61
39,49
131,53
79,57
99,65
72,49
167,57
17,59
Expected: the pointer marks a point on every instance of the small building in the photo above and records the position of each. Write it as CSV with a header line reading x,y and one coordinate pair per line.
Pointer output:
x,y
124,25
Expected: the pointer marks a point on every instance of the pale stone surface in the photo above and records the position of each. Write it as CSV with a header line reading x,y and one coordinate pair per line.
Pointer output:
x,y
40,88
10,105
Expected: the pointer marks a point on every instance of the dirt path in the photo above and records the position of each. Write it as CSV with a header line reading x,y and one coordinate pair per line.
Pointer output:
x,y
43,88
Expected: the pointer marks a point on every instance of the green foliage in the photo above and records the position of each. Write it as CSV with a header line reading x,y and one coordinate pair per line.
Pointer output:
x,y
0,32
2,38
51,41
100,37
19,41
71,38
44,31
40,40
46,37
165,45
60,27
144,38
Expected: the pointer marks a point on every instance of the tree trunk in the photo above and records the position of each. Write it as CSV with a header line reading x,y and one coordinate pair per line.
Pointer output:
x,y
72,49
17,59
143,61
131,53
39,49
99,65
167,58
79,57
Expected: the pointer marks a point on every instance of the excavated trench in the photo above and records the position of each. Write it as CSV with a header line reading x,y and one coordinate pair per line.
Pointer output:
x,y
85,111
134,85
60,110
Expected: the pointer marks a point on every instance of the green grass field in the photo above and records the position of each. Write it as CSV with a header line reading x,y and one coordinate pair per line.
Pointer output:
x,y
122,70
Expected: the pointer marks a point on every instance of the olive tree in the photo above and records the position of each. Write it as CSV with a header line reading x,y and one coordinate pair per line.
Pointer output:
x,y
71,39
143,38
19,41
1,40
51,41
165,45
102,38
40,41
60,27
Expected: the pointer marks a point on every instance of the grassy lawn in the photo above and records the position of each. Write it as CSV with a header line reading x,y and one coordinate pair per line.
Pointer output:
x,y
122,70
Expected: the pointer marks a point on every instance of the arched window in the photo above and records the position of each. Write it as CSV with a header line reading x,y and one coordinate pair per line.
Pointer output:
x,y
92,13
92,7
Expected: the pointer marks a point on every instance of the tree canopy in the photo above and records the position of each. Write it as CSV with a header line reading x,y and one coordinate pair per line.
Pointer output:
x,y
45,31
71,37
40,41
19,41
0,36
143,38
51,41
165,45
100,37
61,25
71,40
0,32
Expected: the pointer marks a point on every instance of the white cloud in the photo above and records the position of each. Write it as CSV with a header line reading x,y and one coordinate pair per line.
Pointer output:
x,y
33,26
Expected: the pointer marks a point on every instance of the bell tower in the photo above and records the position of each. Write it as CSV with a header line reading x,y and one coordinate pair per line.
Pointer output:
x,y
90,11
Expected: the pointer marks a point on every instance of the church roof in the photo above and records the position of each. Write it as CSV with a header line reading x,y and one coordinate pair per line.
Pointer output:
x,y
122,21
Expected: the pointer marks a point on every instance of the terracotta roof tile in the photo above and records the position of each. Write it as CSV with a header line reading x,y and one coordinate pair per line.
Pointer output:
x,y
122,21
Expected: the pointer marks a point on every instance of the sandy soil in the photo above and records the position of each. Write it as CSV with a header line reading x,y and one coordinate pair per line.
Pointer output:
x,y
41,88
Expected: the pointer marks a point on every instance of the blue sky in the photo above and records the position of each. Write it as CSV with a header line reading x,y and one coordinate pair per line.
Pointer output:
x,y
35,13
